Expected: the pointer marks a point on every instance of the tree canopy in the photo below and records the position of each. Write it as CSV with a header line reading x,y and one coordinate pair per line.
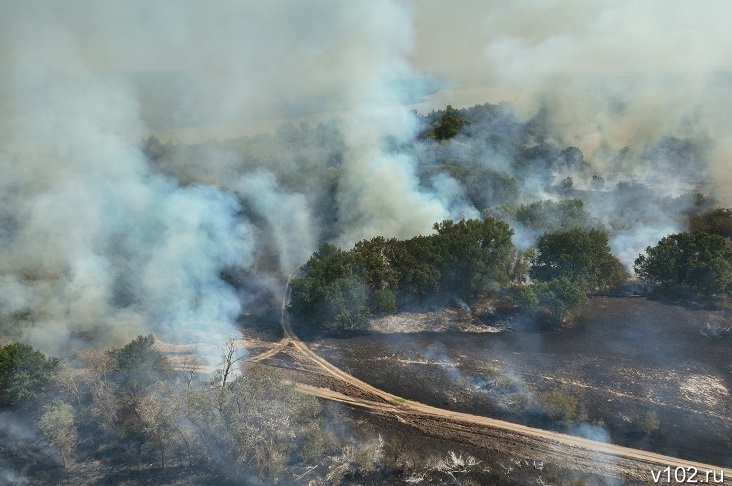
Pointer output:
x,y
465,257
140,364
715,221
583,257
699,261
25,373
448,126
472,253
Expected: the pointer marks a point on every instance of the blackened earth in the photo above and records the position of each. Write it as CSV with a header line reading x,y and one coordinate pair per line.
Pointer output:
x,y
624,359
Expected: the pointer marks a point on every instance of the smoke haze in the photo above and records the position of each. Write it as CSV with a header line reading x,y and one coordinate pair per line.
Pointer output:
x,y
99,237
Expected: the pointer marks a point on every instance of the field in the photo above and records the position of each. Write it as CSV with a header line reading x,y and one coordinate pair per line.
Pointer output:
x,y
646,374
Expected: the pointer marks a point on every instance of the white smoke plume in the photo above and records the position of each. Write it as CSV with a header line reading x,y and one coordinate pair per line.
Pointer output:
x,y
613,73
287,218
94,241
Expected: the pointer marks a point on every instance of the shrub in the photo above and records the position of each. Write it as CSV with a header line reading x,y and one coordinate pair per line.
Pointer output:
x,y
385,301
560,406
648,423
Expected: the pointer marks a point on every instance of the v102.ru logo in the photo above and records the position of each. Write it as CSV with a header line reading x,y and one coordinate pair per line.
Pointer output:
x,y
686,475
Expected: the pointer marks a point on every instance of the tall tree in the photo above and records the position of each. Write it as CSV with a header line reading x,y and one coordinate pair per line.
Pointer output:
x,y
25,373
698,261
472,253
583,257
57,424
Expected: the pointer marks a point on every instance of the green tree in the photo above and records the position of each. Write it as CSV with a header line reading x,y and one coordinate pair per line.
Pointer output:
x,y
415,261
581,256
448,126
345,303
560,295
374,260
563,215
318,282
523,296
384,301
140,365
25,374
698,261
472,253
715,221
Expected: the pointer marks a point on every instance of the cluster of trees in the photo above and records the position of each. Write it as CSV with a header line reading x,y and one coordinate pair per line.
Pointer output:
x,y
568,266
240,421
244,423
25,374
472,257
714,221
699,262
464,258
547,215
447,126
695,262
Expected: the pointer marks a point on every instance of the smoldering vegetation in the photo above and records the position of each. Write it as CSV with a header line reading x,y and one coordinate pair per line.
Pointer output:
x,y
128,415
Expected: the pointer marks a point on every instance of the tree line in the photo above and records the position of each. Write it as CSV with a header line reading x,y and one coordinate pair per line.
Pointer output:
x,y
467,258
131,407
343,287
472,258
242,420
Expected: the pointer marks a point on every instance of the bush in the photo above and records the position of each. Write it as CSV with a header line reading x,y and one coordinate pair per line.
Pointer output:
x,y
523,296
648,423
560,295
385,301
313,445
560,406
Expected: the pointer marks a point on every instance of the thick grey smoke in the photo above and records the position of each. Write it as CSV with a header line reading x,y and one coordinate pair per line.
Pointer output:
x,y
607,75
95,242
286,218
613,73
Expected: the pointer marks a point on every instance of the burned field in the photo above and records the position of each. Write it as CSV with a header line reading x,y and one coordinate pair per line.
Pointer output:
x,y
631,371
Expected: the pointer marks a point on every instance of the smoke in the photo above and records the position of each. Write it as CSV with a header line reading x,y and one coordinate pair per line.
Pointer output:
x,y
286,216
97,243
101,237
613,74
